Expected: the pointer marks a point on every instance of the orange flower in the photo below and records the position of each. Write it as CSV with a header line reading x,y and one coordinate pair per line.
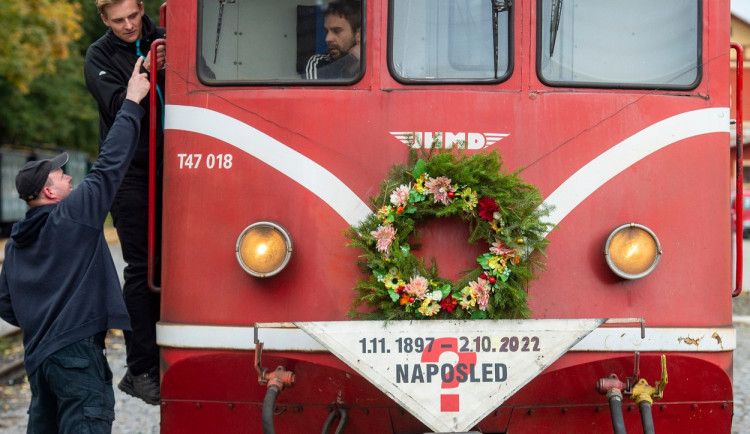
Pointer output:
x,y
404,299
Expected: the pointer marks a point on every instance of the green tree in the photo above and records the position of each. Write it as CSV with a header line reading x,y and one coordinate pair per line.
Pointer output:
x,y
43,96
56,111
36,34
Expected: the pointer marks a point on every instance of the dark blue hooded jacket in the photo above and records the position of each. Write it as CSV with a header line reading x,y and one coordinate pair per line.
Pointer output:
x,y
58,281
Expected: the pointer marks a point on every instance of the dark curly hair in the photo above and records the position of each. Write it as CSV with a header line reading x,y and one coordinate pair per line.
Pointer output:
x,y
351,10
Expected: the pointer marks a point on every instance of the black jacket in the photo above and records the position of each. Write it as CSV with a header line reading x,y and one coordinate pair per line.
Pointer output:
x,y
58,281
108,67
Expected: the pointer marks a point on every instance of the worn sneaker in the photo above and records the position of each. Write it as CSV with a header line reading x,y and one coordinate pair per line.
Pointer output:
x,y
144,386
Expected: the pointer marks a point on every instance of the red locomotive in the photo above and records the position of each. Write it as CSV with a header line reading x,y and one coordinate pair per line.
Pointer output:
x,y
617,112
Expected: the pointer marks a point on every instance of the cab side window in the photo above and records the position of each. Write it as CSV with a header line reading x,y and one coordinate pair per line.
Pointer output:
x,y
279,42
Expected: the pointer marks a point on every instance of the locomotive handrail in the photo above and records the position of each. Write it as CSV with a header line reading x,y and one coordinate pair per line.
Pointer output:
x,y
152,168
738,195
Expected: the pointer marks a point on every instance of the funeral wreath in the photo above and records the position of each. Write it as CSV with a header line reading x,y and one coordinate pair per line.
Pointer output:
x,y
501,211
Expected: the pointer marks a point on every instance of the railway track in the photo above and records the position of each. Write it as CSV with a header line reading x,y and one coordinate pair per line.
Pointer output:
x,y
11,363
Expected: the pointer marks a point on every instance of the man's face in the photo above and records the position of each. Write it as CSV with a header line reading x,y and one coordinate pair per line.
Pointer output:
x,y
340,37
125,19
61,185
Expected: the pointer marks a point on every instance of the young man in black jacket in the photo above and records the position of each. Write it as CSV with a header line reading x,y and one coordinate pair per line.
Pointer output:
x,y
108,61
59,283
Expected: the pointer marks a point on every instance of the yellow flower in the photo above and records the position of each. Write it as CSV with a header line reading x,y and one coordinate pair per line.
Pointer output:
x,y
419,185
468,298
495,263
429,307
470,199
392,281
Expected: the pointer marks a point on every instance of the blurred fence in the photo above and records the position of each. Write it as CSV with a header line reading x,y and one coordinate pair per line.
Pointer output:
x,y
12,160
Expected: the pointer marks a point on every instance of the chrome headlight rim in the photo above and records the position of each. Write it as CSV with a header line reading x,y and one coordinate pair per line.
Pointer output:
x,y
267,224
615,268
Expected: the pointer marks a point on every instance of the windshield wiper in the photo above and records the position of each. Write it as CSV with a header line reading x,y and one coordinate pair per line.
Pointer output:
x,y
554,24
497,7
218,25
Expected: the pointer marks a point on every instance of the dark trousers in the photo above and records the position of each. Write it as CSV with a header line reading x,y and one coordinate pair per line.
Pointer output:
x,y
71,391
130,217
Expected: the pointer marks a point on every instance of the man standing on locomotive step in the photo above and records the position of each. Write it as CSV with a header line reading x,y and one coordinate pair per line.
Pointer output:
x,y
59,283
108,61
343,26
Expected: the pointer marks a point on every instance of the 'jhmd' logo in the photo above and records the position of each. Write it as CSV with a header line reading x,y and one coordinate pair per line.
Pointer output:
x,y
428,139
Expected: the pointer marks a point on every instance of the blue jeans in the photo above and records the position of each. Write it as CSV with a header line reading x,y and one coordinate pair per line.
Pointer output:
x,y
71,392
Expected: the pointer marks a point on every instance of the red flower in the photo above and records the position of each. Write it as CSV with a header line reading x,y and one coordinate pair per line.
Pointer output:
x,y
448,303
487,207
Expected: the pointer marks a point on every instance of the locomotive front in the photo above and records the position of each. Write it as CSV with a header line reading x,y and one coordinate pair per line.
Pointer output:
x,y
267,169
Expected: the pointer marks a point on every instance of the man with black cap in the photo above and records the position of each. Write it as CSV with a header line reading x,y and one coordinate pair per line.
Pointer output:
x,y
59,284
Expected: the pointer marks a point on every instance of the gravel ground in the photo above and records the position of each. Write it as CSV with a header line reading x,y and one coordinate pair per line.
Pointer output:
x,y
741,309
132,416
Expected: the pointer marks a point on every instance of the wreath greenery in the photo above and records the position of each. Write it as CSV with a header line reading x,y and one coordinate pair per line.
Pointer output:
x,y
500,209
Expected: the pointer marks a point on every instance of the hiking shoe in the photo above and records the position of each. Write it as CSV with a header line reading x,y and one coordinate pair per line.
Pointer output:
x,y
144,386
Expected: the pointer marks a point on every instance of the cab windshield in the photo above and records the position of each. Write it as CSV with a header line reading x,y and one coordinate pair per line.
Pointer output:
x,y
608,43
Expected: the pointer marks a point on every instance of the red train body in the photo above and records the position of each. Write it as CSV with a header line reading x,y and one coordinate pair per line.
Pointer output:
x,y
247,143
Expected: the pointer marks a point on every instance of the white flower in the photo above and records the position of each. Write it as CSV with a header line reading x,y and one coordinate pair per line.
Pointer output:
x,y
400,196
436,295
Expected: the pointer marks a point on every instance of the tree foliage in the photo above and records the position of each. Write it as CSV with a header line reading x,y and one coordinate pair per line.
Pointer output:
x,y
56,111
36,34
43,96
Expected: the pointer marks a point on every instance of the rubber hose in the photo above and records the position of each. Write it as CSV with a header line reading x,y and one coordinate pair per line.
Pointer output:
x,y
647,419
342,422
268,404
329,420
615,410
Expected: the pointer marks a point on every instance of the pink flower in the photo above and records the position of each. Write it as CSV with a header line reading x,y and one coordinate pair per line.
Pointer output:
x,y
499,249
487,208
400,196
385,236
483,293
417,286
440,187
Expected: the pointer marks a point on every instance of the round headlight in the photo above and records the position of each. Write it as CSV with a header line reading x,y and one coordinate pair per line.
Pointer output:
x,y
263,249
632,251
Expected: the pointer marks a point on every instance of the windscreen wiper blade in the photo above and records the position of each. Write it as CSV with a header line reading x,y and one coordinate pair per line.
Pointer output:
x,y
497,7
554,24
218,25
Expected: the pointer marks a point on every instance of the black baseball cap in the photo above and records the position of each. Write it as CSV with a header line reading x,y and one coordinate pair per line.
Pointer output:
x,y
32,177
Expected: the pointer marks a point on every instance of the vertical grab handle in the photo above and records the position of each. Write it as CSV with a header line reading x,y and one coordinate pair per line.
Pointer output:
x,y
152,169
738,195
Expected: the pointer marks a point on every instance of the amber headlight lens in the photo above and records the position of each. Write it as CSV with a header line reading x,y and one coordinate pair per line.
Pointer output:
x,y
263,249
632,251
